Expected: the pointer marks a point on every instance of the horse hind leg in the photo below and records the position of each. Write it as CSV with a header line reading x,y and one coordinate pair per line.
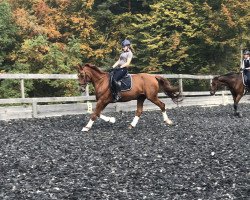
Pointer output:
x,y
107,119
161,105
139,111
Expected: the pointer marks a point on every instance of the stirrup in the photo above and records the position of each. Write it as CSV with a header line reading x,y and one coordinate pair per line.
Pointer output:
x,y
117,98
246,89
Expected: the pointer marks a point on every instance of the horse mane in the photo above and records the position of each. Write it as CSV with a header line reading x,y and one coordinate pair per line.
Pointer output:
x,y
228,75
94,68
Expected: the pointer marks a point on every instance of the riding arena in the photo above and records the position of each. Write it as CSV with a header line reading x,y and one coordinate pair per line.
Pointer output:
x,y
204,154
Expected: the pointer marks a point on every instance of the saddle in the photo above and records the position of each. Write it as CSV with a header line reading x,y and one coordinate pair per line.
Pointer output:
x,y
125,83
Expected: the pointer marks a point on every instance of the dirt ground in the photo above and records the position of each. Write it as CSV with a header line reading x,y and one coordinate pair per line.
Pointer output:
x,y
204,155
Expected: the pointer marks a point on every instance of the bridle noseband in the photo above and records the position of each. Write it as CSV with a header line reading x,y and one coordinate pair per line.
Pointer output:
x,y
83,78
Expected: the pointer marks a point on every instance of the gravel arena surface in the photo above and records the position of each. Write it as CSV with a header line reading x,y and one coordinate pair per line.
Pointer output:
x,y
204,155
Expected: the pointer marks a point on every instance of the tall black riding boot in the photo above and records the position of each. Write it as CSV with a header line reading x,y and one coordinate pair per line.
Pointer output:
x,y
117,90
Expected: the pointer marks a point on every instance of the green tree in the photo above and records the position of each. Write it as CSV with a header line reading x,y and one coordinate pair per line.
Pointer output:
x,y
164,35
225,27
8,35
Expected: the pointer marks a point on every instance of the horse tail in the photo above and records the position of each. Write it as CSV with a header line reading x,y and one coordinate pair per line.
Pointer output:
x,y
171,91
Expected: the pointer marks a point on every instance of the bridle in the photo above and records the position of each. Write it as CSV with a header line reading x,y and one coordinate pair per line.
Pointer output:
x,y
84,79
215,83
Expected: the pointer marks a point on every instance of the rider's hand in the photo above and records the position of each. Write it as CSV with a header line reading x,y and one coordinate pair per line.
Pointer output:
x,y
110,70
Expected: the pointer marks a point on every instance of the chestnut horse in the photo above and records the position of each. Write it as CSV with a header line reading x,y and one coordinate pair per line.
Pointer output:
x,y
145,86
235,84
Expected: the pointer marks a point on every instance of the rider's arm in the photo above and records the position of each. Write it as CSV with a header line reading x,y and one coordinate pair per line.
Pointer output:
x,y
242,65
117,62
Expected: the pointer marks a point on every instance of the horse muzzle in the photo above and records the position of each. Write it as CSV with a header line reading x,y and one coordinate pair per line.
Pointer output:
x,y
82,88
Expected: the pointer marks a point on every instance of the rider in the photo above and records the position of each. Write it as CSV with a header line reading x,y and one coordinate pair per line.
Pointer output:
x,y
246,65
120,67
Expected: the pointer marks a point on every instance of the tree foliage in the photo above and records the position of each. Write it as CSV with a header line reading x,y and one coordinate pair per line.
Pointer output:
x,y
7,35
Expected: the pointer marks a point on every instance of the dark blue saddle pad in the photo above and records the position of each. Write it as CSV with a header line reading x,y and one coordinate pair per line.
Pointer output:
x,y
126,83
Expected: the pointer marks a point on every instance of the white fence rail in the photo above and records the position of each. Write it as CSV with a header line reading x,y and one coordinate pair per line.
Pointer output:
x,y
57,106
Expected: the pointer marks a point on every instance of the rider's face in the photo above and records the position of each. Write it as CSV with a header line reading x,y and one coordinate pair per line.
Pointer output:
x,y
246,56
125,48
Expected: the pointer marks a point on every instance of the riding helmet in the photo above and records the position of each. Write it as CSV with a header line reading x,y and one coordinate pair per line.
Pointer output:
x,y
246,52
126,43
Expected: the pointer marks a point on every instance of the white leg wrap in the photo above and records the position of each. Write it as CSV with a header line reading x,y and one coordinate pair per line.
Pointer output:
x,y
88,126
166,119
165,116
112,120
107,119
91,122
135,121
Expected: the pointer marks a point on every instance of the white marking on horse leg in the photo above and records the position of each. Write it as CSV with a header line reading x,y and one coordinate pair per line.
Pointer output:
x,y
166,119
112,120
107,119
85,129
88,126
135,121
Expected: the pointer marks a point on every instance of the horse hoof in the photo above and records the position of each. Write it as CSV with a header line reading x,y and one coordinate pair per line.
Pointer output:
x,y
112,120
85,129
238,114
130,127
169,122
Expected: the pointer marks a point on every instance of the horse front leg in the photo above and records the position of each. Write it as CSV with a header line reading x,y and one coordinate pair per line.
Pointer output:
x,y
236,101
99,107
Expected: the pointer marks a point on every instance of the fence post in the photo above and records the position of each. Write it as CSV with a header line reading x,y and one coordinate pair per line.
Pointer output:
x,y
180,83
224,98
90,107
34,109
89,104
87,90
22,89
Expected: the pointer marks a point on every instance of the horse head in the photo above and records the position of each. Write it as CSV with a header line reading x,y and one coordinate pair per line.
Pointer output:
x,y
83,77
214,85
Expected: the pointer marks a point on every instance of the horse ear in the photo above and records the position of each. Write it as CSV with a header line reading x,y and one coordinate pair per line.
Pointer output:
x,y
79,67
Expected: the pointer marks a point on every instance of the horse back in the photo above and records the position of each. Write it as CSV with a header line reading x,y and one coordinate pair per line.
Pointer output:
x,y
145,82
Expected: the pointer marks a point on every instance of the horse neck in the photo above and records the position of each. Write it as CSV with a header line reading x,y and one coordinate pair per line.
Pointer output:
x,y
228,81
224,80
96,76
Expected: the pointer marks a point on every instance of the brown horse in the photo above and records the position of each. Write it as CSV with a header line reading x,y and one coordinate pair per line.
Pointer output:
x,y
235,84
145,86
